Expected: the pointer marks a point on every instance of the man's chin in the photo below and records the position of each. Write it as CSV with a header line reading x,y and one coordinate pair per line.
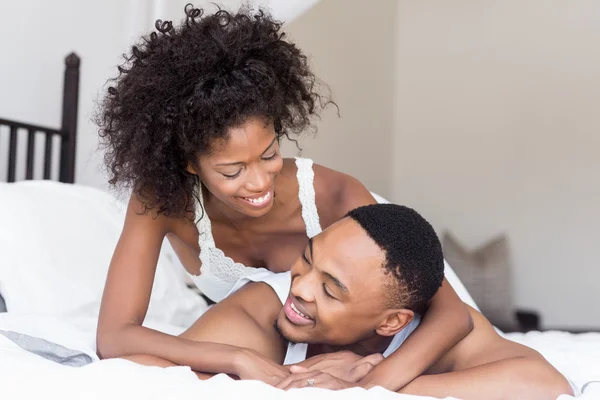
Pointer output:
x,y
289,331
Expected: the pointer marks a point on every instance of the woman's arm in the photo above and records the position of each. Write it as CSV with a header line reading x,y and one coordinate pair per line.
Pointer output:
x,y
129,281
441,328
212,345
127,294
337,193
446,322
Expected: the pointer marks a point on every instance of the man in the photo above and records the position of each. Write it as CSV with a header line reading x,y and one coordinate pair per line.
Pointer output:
x,y
358,288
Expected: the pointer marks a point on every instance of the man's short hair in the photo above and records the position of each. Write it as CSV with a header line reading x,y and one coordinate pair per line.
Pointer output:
x,y
413,252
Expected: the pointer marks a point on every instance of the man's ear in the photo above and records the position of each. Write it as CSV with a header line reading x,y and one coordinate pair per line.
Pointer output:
x,y
394,321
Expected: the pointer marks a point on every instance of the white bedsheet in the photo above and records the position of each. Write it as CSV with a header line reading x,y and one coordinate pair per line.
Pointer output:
x,y
25,375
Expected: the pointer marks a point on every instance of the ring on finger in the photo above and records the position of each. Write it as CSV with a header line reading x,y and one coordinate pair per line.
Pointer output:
x,y
310,382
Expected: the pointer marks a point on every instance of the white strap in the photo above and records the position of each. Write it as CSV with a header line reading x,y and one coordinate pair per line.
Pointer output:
x,y
205,237
214,261
306,194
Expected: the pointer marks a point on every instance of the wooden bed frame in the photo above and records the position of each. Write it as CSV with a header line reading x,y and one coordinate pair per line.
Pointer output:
x,y
67,132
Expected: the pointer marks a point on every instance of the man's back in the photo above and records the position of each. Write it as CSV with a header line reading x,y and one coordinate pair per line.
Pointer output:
x,y
482,345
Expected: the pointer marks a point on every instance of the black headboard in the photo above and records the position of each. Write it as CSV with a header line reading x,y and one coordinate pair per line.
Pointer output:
x,y
67,132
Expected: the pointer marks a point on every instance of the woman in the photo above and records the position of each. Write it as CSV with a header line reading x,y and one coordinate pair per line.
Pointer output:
x,y
193,125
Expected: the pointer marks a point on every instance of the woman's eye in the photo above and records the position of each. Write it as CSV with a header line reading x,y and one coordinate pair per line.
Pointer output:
x,y
231,176
271,156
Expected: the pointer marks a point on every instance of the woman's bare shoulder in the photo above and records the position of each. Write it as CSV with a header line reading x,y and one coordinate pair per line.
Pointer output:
x,y
140,217
337,193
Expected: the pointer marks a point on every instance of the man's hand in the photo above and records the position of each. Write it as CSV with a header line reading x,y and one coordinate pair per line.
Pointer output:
x,y
250,365
317,379
344,365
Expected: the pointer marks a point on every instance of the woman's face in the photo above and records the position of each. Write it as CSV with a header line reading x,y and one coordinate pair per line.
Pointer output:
x,y
240,171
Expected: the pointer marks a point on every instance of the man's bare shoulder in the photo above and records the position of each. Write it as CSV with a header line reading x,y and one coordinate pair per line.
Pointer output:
x,y
259,301
245,319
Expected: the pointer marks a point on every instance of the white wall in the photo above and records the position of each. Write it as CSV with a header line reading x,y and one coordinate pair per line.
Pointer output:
x,y
35,38
283,10
351,48
497,130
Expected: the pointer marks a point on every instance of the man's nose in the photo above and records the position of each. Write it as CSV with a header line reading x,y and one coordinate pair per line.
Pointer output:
x,y
303,287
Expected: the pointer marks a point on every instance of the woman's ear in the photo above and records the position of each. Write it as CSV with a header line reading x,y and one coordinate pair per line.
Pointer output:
x,y
191,169
394,321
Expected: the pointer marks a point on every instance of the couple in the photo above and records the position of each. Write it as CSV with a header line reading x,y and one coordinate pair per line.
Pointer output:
x,y
350,300
193,125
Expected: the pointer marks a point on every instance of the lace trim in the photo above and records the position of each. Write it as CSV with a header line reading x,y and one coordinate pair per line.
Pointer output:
x,y
214,261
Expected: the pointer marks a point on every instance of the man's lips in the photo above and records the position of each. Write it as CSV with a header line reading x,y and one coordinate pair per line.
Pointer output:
x,y
296,313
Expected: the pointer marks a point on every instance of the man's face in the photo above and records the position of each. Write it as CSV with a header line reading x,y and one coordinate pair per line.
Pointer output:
x,y
338,288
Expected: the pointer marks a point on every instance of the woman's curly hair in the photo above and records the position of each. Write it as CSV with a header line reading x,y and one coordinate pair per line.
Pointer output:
x,y
183,87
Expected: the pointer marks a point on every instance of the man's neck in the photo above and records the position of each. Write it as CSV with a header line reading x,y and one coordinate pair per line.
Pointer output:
x,y
372,345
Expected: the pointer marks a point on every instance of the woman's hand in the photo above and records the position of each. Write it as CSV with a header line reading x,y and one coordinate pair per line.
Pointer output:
x,y
344,365
317,379
251,365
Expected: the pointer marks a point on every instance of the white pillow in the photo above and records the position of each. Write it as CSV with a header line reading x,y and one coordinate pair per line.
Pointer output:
x,y
56,242
451,276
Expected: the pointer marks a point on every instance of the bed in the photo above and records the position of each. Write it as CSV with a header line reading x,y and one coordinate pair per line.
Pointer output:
x,y
54,256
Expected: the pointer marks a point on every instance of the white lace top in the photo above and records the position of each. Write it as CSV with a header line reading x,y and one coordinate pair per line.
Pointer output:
x,y
219,273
